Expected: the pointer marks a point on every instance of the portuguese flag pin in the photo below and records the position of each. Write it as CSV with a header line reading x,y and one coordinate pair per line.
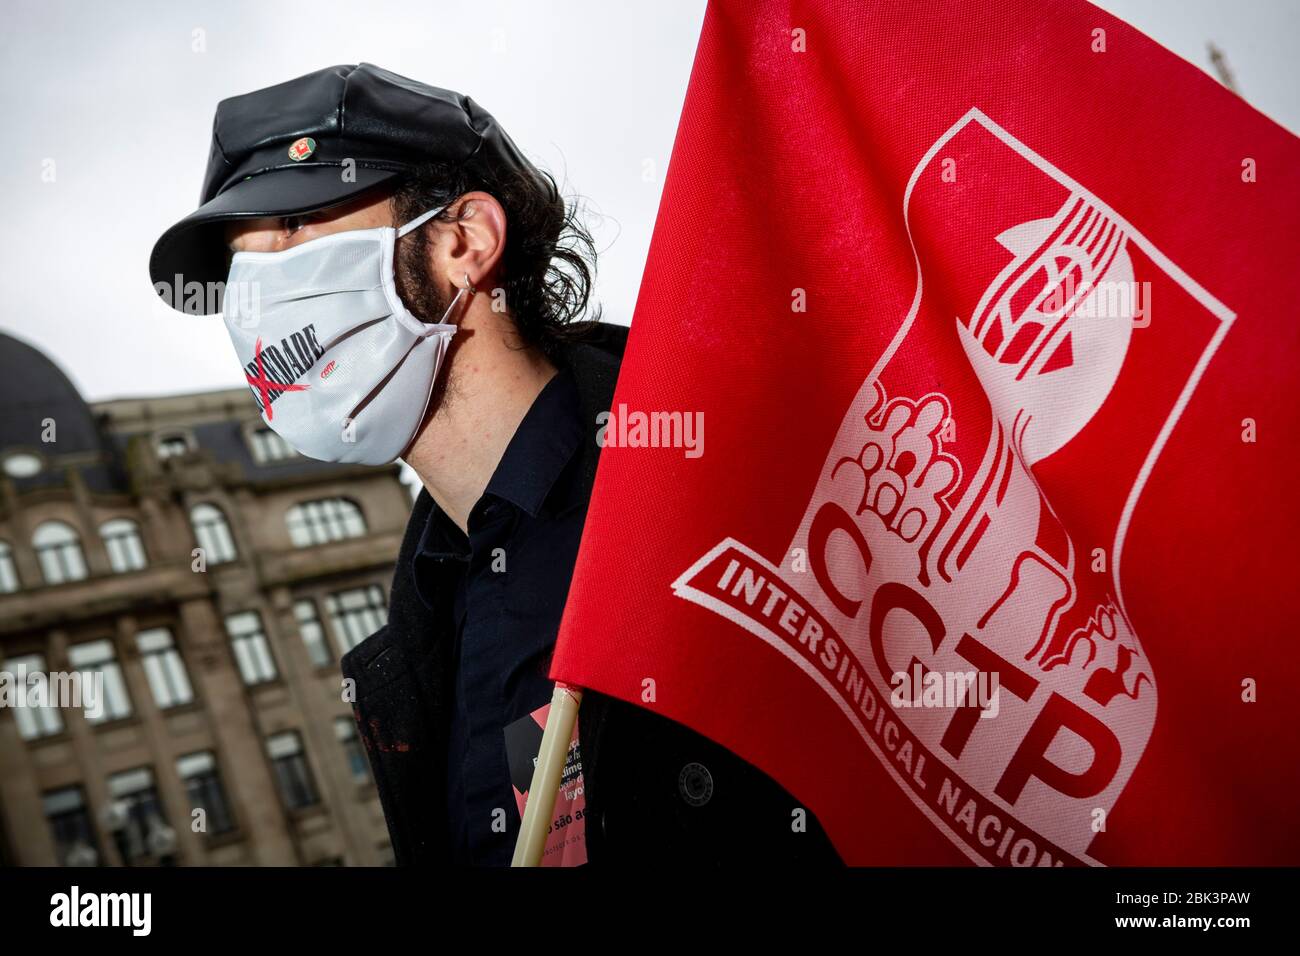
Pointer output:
x,y
302,148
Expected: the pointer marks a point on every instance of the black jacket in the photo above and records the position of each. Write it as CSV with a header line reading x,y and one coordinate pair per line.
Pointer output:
x,y
648,800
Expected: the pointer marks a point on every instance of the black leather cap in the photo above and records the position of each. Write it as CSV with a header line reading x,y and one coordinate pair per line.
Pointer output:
x,y
309,144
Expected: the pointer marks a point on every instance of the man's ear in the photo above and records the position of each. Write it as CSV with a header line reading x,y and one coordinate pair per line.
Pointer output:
x,y
473,242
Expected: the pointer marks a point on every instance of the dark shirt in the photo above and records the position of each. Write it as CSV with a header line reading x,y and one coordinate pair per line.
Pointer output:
x,y
512,576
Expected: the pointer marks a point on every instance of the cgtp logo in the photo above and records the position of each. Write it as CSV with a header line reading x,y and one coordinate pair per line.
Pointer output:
x,y
1001,441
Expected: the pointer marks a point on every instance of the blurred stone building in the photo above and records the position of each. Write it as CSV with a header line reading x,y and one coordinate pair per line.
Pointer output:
x,y
221,686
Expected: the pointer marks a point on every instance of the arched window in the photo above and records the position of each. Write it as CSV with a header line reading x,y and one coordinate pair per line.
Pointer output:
x,y
8,573
212,533
252,649
173,445
58,549
43,720
168,679
22,465
356,614
125,549
324,520
269,447
97,660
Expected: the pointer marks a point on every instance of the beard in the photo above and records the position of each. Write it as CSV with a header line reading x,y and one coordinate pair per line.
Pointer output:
x,y
415,282
419,292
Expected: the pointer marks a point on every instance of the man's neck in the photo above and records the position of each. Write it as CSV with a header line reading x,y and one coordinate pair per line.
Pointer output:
x,y
493,384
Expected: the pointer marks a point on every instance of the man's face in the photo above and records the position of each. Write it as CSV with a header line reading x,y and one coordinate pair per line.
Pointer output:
x,y
412,268
279,233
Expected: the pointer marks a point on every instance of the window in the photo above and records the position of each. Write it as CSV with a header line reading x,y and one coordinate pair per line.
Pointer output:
x,y
8,573
98,657
74,833
345,728
268,446
313,635
22,465
212,533
31,680
164,668
171,446
125,549
136,819
356,614
252,650
319,522
203,784
58,549
291,771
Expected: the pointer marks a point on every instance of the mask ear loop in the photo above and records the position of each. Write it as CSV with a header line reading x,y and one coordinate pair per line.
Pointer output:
x,y
442,325
419,221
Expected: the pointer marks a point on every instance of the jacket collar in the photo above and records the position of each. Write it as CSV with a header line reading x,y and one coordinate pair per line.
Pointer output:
x,y
529,472
594,363
543,444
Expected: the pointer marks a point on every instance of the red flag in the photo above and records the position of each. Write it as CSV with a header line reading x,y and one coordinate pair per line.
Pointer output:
x,y
969,328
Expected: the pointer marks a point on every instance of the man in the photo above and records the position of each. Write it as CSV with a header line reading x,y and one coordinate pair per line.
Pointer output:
x,y
402,282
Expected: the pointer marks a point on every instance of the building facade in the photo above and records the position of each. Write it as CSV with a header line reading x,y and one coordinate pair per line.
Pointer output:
x,y
177,554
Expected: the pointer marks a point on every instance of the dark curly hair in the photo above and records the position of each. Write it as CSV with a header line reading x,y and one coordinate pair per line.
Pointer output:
x,y
549,262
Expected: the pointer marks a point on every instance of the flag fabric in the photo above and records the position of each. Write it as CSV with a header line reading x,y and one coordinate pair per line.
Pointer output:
x,y
949,474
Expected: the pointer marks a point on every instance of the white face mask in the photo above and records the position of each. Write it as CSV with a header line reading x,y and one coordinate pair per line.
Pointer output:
x,y
341,370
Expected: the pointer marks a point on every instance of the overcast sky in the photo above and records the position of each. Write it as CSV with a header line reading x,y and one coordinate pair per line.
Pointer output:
x,y
118,98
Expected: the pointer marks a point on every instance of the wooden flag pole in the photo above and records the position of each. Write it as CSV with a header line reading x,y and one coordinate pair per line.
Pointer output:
x,y
545,786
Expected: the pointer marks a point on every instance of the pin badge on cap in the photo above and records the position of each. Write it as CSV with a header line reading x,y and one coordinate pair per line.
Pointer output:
x,y
302,148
